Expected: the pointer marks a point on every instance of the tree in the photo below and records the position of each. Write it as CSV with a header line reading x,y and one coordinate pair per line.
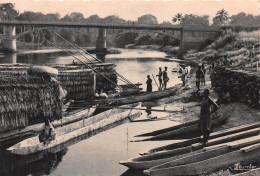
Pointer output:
x,y
93,19
7,11
166,23
190,19
31,16
147,19
73,17
222,15
177,18
243,19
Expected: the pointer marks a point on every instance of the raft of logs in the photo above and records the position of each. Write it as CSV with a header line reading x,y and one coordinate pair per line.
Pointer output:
x,y
243,86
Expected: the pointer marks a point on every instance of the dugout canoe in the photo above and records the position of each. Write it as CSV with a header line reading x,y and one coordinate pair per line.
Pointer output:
x,y
67,133
165,130
206,153
245,155
213,135
142,97
36,128
183,131
151,160
253,172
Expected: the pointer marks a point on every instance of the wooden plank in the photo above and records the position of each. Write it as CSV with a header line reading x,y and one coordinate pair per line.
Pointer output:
x,y
250,148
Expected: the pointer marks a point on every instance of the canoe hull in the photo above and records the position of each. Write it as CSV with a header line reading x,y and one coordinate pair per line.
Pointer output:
x,y
184,131
198,139
165,156
210,165
68,135
134,99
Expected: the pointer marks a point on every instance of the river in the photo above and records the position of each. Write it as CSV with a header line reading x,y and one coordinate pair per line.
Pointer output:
x,y
100,154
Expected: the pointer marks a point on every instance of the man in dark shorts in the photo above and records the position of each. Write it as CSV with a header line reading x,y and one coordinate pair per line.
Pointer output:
x,y
165,77
205,115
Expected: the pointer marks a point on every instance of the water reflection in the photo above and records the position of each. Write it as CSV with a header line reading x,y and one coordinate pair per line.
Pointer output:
x,y
35,164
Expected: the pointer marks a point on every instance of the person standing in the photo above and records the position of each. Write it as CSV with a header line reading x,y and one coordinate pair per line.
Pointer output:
x,y
149,84
184,73
212,75
165,77
202,78
160,78
198,76
205,115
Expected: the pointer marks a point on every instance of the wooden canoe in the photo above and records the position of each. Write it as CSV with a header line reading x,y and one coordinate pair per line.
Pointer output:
x,y
213,135
69,132
151,160
133,99
165,130
36,128
192,129
245,155
207,153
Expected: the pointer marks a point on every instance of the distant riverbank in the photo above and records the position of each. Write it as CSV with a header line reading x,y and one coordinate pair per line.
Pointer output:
x,y
170,50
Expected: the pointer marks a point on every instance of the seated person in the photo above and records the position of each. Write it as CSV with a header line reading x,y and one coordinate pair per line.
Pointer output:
x,y
48,132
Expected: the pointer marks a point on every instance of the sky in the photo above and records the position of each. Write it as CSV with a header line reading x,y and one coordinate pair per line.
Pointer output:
x,y
164,10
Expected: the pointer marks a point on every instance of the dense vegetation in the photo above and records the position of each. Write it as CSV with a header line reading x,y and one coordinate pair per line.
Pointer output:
x,y
118,38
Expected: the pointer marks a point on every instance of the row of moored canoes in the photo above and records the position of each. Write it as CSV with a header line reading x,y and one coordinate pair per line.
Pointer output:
x,y
225,148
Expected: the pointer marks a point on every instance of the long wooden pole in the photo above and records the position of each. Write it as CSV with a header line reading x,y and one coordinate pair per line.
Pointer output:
x,y
117,107
85,64
75,46
156,82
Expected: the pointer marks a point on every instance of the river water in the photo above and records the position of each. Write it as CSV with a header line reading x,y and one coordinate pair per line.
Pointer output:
x,y
100,154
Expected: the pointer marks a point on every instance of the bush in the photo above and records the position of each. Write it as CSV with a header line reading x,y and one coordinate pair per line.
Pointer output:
x,y
125,39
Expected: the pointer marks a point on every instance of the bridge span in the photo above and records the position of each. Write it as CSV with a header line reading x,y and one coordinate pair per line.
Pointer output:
x,y
9,36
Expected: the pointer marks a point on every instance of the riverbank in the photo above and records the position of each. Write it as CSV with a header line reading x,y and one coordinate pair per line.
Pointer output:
x,y
237,113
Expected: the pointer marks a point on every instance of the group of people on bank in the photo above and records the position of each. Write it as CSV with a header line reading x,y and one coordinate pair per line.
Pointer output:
x,y
163,78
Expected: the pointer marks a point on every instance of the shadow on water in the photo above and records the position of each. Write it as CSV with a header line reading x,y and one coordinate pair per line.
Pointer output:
x,y
35,164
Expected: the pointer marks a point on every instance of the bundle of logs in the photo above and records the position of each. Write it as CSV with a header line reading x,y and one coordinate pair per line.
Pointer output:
x,y
27,100
243,86
102,83
80,84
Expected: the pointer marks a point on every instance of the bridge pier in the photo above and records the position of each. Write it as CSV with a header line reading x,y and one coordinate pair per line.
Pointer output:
x,y
101,45
9,44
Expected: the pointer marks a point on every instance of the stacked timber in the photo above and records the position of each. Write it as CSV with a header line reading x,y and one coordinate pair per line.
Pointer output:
x,y
80,84
13,69
243,86
104,71
27,100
